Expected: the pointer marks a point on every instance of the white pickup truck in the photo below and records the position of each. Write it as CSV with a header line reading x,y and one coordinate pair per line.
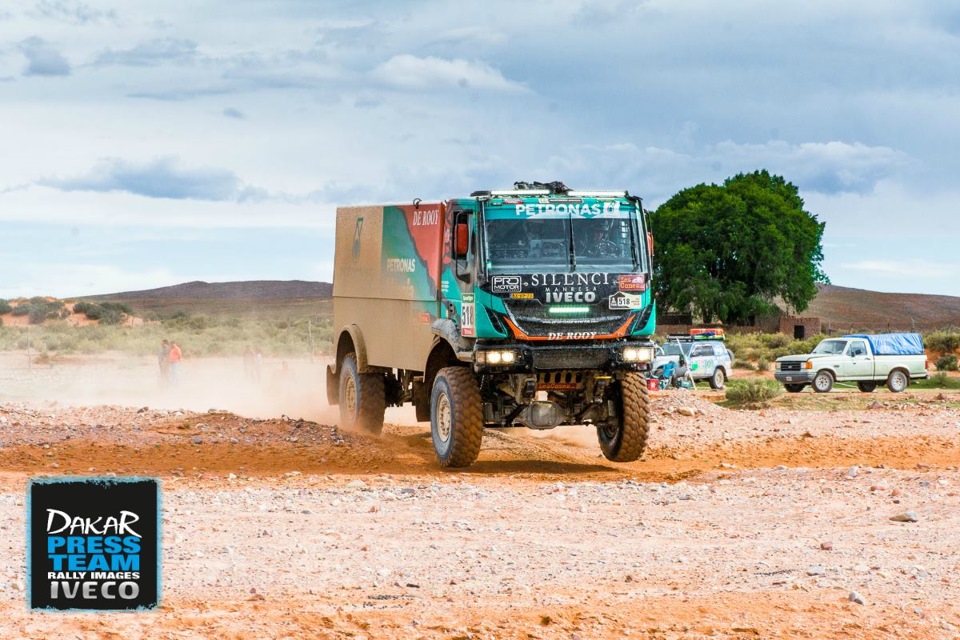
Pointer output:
x,y
868,360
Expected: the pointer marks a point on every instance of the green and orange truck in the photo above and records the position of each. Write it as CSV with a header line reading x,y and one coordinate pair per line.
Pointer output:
x,y
528,307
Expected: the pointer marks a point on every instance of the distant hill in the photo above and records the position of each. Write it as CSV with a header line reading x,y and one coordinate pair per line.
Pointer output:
x,y
250,290
841,307
254,297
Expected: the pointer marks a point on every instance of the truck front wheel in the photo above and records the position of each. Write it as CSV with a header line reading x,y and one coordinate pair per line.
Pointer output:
x,y
456,418
362,397
625,440
897,381
823,382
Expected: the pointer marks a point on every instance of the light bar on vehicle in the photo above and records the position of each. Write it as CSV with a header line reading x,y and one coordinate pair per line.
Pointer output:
x,y
597,194
568,310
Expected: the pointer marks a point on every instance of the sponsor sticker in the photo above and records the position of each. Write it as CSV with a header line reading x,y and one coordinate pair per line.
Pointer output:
x,y
506,284
93,543
633,282
522,296
468,326
621,300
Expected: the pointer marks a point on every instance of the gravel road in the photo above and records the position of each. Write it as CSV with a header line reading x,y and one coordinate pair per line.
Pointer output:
x,y
833,522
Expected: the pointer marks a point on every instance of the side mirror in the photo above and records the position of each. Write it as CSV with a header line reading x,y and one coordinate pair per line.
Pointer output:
x,y
461,241
650,243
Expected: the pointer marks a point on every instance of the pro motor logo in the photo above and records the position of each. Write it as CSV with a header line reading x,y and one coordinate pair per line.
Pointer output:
x,y
93,543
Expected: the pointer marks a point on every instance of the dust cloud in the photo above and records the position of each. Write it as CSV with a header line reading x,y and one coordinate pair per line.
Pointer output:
x,y
284,387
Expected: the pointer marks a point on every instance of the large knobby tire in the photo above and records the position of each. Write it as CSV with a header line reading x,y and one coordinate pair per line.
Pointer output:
x,y
626,440
867,386
362,398
794,388
897,381
718,379
456,417
823,382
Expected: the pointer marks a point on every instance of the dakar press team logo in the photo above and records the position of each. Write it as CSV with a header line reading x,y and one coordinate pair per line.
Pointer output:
x,y
93,543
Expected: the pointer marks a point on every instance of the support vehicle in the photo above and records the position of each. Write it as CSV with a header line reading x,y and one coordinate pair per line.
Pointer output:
x,y
869,360
701,355
529,306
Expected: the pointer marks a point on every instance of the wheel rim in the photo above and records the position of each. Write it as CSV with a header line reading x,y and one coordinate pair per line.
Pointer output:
x,y
898,381
444,418
350,394
822,382
718,377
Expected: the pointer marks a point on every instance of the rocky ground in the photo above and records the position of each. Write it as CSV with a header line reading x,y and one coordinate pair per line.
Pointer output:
x,y
828,517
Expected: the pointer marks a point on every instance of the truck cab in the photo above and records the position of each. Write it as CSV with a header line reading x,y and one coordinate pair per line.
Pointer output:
x,y
529,306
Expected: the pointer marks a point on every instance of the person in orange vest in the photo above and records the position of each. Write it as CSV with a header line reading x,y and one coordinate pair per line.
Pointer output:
x,y
175,357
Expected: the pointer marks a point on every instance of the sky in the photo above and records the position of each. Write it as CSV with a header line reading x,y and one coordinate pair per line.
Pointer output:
x,y
149,143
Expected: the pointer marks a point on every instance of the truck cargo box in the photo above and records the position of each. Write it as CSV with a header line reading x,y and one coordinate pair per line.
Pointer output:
x,y
893,344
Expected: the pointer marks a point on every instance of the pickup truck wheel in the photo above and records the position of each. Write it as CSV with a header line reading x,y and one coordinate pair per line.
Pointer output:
x,y
897,381
718,378
625,440
794,388
362,398
456,419
866,386
823,382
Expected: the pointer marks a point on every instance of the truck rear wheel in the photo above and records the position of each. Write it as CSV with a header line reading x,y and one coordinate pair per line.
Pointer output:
x,y
362,398
456,418
897,381
866,386
626,440
823,382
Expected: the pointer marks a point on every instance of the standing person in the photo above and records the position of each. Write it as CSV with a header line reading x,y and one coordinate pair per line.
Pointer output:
x,y
163,360
175,357
257,364
248,363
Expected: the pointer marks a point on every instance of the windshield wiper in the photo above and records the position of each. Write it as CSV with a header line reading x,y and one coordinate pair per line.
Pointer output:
x,y
573,249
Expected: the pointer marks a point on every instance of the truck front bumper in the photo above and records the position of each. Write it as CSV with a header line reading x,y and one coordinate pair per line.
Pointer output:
x,y
794,377
596,357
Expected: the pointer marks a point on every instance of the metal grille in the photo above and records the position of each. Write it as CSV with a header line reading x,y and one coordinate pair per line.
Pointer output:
x,y
790,366
570,359
534,320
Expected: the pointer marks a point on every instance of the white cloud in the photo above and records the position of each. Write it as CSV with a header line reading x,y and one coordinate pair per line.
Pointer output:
x,y
915,267
410,72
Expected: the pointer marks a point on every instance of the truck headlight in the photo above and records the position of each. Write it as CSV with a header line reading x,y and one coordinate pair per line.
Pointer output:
x,y
776,366
504,357
637,354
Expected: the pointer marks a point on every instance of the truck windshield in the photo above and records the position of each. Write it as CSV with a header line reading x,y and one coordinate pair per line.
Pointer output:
x,y
561,243
831,347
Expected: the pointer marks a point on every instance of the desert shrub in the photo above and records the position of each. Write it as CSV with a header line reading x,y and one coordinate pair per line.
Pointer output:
x,y
943,341
763,364
744,364
83,307
948,363
21,309
4,307
754,391
777,340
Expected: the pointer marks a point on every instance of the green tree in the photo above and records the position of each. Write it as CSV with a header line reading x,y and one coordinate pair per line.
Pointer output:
x,y
730,252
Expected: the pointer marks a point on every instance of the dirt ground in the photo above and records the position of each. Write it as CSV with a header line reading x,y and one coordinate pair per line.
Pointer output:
x,y
784,522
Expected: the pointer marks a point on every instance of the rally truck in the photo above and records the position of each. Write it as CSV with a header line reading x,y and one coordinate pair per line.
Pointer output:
x,y
522,307
868,360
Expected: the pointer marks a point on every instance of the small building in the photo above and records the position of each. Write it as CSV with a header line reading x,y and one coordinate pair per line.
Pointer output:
x,y
799,327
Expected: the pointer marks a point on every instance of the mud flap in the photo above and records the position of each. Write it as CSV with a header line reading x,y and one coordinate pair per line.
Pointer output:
x,y
333,387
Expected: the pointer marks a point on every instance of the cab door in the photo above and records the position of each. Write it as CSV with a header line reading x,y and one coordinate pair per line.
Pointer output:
x,y
856,363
